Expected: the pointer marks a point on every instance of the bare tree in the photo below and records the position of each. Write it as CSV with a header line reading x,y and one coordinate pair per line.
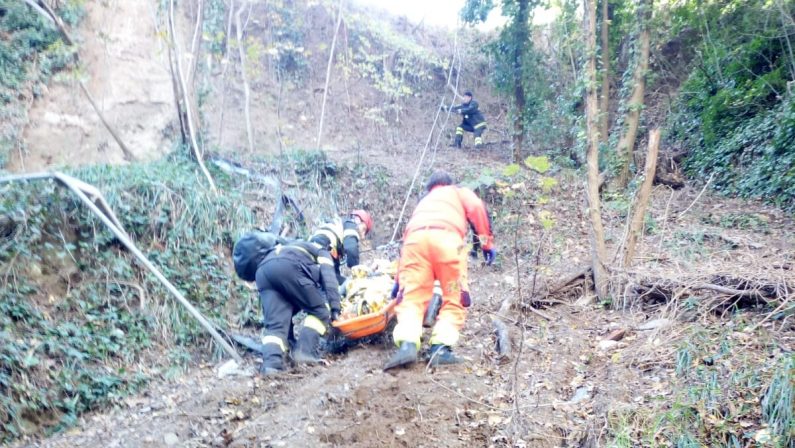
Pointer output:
x,y
239,28
328,74
184,94
598,250
626,143
642,199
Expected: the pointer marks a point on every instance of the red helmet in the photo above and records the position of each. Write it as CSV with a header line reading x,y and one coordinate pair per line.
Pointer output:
x,y
365,217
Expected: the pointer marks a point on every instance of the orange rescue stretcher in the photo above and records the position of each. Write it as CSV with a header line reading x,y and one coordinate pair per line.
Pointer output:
x,y
366,325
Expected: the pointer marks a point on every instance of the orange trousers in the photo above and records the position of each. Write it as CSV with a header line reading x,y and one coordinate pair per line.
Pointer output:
x,y
429,255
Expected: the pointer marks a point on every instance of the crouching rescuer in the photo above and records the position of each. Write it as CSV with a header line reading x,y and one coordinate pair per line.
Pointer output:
x,y
472,121
290,278
434,248
342,241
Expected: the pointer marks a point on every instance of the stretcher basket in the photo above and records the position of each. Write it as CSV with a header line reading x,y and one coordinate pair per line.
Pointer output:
x,y
366,325
372,328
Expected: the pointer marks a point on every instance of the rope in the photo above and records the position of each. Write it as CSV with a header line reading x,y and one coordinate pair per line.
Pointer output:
x,y
427,142
456,55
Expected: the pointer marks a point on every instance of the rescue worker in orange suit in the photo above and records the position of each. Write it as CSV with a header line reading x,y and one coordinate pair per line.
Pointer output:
x,y
290,278
343,241
473,121
434,248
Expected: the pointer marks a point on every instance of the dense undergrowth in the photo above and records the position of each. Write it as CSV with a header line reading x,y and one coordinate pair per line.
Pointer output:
x,y
736,113
31,52
77,313
82,324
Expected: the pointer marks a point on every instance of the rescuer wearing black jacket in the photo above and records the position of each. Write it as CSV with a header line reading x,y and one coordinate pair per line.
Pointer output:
x,y
290,278
473,121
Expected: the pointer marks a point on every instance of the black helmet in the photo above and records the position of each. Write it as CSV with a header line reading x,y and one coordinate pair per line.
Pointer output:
x,y
468,93
249,252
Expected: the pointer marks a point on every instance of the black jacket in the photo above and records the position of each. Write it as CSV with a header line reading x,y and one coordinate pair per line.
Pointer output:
x,y
350,242
470,112
347,248
317,263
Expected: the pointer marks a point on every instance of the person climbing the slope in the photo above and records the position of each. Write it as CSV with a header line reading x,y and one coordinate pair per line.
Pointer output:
x,y
290,278
342,241
434,249
472,121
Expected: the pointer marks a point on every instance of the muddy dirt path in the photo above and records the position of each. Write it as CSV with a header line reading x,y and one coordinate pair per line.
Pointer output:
x,y
549,395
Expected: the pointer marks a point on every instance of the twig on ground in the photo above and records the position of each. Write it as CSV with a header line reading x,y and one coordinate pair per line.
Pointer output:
x,y
698,196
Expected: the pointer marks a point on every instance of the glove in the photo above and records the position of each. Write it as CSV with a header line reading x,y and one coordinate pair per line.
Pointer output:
x,y
335,315
395,289
489,255
466,300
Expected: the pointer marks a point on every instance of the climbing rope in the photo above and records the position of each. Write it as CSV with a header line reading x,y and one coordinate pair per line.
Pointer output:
x,y
456,56
428,141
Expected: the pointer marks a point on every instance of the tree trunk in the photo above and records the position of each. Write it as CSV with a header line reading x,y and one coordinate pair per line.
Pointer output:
x,y
186,98
604,109
598,250
626,144
328,74
244,75
642,199
521,33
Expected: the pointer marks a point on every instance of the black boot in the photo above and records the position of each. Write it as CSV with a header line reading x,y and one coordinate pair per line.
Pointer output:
x,y
307,349
406,354
458,140
272,360
443,355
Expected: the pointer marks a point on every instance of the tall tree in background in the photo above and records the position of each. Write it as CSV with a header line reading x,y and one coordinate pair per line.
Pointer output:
x,y
598,248
513,54
626,143
604,107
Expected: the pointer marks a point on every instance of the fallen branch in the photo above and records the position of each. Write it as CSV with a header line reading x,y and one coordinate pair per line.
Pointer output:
x,y
128,155
698,196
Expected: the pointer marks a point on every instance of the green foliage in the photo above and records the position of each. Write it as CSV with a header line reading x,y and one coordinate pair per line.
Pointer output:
x,y
735,111
539,164
516,70
779,402
395,64
78,310
31,51
29,39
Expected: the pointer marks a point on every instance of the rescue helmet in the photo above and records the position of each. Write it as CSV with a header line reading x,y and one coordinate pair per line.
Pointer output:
x,y
365,218
250,250
439,178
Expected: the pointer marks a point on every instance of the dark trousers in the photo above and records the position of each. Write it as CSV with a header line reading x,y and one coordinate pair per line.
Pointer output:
x,y
285,288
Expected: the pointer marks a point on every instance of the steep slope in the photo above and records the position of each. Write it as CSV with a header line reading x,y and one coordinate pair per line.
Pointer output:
x,y
126,74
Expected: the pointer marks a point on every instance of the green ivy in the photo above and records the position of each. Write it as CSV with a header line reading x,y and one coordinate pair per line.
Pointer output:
x,y
735,112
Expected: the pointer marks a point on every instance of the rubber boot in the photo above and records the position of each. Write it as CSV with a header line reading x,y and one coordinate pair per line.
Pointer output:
x,y
307,349
458,140
272,361
443,355
406,355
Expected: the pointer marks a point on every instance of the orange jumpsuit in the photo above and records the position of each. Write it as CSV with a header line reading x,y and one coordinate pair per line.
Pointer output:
x,y
434,249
